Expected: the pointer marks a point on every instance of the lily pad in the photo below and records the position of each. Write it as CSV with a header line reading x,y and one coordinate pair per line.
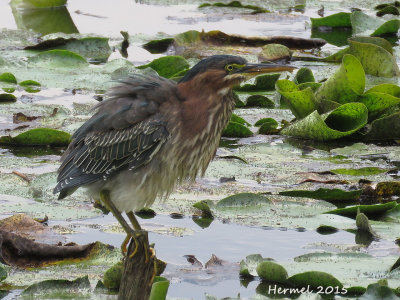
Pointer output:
x,y
315,279
205,209
371,211
341,19
388,189
385,128
248,267
267,126
159,288
236,130
364,24
158,46
8,77
167,66
272,272
112,277
241,200
236,4
259,101
30,86
385,88
274,52
388,10
7,98
235,118
346,85
58,59
79,287
378,291
38,136
304,75
366,171
263,83
375,60
301,102
341,122
377,103
3,273
38,3
330,195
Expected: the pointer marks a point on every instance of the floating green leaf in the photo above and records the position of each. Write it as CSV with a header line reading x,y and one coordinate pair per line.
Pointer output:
x,y
330,195
7,98
235,118
205,209
366,171
272,272
304,75
377,103
273,52
346,85
335,36
371,211
385,88
168,66
112,277
375,60
58,59
8,77
341,122
385,128
259,101
315,279
38,136
264,83
267,126
248,267
389,27
301,102
362,24
341,19
3,273
38,3
242,199
236,130
53,289
236,4
388,10
378,291
388,188
159,288
158,46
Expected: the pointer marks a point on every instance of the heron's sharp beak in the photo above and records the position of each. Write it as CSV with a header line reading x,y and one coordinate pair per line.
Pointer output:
x,y
256,69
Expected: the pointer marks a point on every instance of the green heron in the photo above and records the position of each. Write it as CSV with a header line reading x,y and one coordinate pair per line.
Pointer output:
x,y
152,134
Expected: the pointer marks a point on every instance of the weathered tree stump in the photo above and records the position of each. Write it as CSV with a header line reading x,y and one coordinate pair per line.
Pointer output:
x,y
137,277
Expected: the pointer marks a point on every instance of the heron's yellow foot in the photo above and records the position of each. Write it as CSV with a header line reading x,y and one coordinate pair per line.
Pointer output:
x,y
124,247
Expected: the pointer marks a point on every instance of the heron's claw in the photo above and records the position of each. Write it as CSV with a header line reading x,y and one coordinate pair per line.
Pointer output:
x,y
134,237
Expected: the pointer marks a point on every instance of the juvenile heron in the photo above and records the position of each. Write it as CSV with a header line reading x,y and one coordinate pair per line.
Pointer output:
x,y
153,133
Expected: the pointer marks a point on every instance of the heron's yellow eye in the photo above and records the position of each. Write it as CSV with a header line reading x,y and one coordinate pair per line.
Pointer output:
x,y
229,68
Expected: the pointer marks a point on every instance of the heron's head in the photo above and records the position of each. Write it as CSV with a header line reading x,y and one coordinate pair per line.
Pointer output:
x,y
220,73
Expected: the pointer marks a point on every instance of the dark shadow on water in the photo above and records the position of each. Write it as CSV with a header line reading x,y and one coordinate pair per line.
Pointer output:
x,y
337,37
34,151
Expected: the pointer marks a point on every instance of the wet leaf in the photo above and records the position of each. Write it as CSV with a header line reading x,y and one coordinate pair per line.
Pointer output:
x,y
304,75
326,229
362,224
268,126
168,66
371,211
243,199
236,130
378,291
264,83
248,267
7,98
38,3
375,60
112,277
385,128
92,48
158,46
236,4
343,121
274,52
331,195
3,273
205,209
341,19
314,279
159,288
385,88
364,24
44,21
378,103
54,59
38,136
259,101
270,121
388,10
235,118
272,272
301,102
53,289
366,171
346,85
335,36
388,189
8,77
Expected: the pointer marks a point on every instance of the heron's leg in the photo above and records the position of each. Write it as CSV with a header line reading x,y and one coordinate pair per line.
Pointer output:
x,y
136,226
105,198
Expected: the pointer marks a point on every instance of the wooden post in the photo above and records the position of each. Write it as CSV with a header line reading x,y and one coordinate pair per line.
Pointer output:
x,y
137,277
